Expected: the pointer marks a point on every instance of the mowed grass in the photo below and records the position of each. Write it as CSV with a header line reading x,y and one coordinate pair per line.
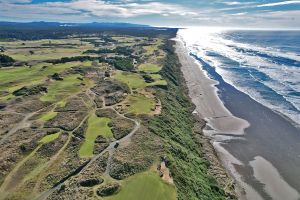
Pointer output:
x,y
134,81
96,126
14,78
158,80
145,186
150,49
58,90
49,138
151,68
48,116
139,104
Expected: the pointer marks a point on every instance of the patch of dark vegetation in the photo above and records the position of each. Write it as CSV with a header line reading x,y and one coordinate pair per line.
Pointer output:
x,y
6,60
2,106
137,156
57,77
148,78
91,182
118,50
174,126
32,90
49,30
108,190
75,58
120,63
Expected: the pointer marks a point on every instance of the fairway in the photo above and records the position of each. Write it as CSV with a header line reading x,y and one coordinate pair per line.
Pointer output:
x,y
134,81
145,186
47,116
49,138
60,89
96,126
151,68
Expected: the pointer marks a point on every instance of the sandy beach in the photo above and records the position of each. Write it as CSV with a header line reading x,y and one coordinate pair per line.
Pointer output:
x,y
257,146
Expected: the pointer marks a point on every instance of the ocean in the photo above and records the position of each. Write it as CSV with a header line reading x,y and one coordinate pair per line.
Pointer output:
x,y
257,79
263,64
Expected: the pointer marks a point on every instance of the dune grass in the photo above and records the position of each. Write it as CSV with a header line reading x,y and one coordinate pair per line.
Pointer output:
x,y
150,68
147,186
96,126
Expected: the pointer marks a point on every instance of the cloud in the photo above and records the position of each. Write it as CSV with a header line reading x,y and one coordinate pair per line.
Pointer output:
x,y
233,3
279,3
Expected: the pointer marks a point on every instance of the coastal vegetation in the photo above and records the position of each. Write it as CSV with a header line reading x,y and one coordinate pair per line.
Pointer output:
x,y
98,116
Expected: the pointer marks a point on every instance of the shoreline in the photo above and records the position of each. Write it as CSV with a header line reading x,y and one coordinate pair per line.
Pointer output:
x,y
246,150
213,115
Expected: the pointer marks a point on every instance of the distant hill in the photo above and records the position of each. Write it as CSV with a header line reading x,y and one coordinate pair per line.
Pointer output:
x,y
42,25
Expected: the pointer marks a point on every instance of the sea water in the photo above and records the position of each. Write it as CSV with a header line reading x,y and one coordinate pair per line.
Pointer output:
x,y
263,64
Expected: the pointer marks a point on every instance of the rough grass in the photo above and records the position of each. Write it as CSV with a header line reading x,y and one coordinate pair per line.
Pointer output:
x,y
147,186
49,138
148,67
60,89
96,127
139,104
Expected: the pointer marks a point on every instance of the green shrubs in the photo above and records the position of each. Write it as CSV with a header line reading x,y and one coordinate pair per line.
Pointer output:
x,y
174,125
6,60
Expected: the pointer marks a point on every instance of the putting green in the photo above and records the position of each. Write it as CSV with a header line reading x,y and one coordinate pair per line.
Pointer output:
x,y
96,126
139,104
146,186
134,81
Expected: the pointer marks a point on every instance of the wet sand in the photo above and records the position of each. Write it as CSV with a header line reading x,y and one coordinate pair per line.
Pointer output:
x,y
249,137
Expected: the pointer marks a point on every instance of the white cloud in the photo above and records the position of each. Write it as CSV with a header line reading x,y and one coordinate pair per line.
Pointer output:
x,y
279,3
233,3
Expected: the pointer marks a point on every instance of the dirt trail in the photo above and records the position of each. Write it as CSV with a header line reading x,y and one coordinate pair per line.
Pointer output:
x,y
110,149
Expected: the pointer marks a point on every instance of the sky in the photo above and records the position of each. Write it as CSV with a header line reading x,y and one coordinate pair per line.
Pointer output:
x,y
174,13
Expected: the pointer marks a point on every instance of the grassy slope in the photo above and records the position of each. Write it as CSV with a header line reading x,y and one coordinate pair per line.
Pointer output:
x,y
147,186
174,125
96,126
